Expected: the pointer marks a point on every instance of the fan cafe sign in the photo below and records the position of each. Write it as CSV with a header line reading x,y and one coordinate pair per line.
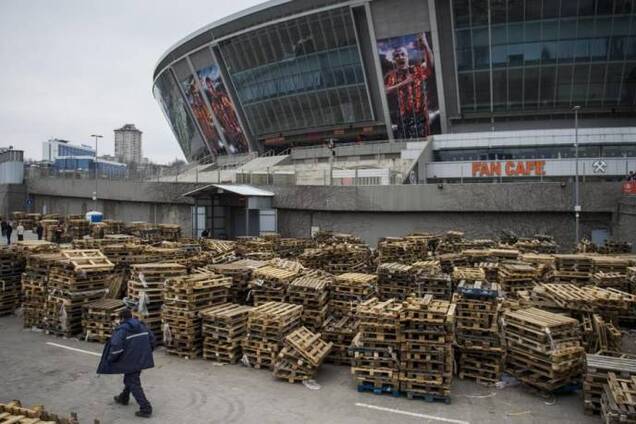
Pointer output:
x,y
510,168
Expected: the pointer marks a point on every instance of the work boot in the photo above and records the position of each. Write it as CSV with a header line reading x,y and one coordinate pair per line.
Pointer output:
x,y
120,400
143,414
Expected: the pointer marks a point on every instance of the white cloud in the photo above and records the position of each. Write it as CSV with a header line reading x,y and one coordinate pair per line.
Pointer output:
x,y
71,68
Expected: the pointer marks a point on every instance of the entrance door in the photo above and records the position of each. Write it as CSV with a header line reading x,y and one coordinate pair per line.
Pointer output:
x,y
599,236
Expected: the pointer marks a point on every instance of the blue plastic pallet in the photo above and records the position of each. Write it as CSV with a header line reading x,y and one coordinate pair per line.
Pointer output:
x,y
477,293
428,397
385,388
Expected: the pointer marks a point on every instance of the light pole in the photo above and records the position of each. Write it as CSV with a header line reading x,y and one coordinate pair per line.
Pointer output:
x,y
97,137
577,204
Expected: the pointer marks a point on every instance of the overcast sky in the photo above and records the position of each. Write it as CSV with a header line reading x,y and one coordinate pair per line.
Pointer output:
x,y
72,68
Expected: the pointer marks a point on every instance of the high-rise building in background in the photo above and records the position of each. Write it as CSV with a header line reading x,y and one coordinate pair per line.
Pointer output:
x,y
128,144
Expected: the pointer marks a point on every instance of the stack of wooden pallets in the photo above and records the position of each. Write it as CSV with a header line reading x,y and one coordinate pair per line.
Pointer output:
x,y
467,275
301,355
542,245
171,232
515,276
143,230
452,242
267,326
340,333
338,258
80,277
269,284
617,402
348,290
404,250
613,247
426,348
597,369
429,279
575,269
183,298
312,292
12,265
330,237
113,227
100,318
291,247
146,287
376,362
77,228
223,328
14,413
544,350
34,288
449,261
477,332
256,248
606,263
543,263
396,281
218,251
614,280
631,278
241,273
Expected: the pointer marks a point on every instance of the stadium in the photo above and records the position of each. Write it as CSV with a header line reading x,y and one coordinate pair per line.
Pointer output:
x,y
290,73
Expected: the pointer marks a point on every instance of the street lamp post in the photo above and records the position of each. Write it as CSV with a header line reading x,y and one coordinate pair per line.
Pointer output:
x,y
577,203
97,137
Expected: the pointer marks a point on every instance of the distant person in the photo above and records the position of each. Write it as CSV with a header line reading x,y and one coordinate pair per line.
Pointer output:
x,y
3,227
39,230
205,234
20,231
631,176
57,235
8,232
128,352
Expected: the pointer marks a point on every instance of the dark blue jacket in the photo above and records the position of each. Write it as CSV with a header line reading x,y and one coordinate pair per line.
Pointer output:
x,y
128,350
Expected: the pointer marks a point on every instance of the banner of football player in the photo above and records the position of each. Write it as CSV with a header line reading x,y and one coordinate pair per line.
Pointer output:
x,y
408,69
223,108
202,114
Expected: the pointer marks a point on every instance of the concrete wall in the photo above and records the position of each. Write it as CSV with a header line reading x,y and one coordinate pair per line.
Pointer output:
x,y
12,198
371,226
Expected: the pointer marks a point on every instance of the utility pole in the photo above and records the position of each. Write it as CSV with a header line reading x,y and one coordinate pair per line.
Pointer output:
x,y
577,203
97,137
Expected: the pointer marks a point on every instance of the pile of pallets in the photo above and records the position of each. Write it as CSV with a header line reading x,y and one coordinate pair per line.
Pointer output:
x,y
143,230
338,258
631,278
404,250
77,228
449,261
12,265
34,287
515,276
14,413
241,273
171,232
451,242
113,227
223,328
78,278
396,281
617,400
100,318
348,290
301,355
543,263
544,350
477,333
614,280
267,326
429,279
269,284
329,237
257,248
605,263
376,363
146,286
183,298
312,292
575,269
291,247
340,333
426,348
467,275
613,247
597,369
543,245
218,251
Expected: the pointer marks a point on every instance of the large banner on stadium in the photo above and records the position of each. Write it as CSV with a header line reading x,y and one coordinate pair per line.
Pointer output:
x,y
409,83
202,115
222,108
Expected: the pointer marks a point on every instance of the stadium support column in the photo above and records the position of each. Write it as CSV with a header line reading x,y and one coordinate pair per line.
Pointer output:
x,y
439,72
378,72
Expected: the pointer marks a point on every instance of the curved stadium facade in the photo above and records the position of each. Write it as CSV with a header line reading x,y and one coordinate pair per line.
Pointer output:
x,y
300,72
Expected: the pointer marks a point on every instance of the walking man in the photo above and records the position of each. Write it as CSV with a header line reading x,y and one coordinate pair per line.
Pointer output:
x,y
8,232
39,230
128,352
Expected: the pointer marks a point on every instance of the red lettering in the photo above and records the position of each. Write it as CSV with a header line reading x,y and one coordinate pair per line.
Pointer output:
x,y
540,165
476,167
530,166
509,166
496,168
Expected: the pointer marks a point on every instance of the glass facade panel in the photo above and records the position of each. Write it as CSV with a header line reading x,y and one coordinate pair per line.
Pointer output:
x,y
306,57
555,54
167,93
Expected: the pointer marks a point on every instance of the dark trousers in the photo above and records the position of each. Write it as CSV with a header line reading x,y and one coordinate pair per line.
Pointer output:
x,y
132,385
8,238
20,237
